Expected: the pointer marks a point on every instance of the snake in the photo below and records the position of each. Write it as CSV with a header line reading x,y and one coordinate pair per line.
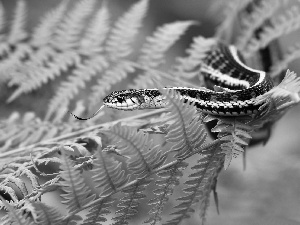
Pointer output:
x,y
235,88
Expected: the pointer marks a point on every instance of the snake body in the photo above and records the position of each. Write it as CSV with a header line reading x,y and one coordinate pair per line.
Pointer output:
x,y
235,87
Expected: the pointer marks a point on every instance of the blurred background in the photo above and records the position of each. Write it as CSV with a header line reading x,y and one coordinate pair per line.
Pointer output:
x,y
268,191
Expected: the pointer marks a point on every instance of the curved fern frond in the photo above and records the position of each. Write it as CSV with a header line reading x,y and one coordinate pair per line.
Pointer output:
x,y
186,131
98,211
77,193
17,31
143,156
108,173
168,179
125,29
130,203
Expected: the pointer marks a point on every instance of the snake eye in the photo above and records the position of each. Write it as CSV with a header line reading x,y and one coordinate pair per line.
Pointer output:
x,y
118,99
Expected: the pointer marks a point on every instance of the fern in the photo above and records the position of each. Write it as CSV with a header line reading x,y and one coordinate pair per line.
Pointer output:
x,y
76,193
292,54
186,130
168,179
97,212
136,159
46,214
108,173
279,26
142,155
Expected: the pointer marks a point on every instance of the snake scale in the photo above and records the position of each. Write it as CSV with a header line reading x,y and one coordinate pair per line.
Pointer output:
x,y
235,87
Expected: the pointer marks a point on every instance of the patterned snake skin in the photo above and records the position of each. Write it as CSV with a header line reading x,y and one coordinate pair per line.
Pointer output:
x,y
235,87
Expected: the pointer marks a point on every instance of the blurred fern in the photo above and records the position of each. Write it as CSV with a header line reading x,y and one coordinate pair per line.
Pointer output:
x,y
135,159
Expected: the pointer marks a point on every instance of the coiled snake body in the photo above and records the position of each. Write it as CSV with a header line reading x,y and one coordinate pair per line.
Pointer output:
x,y
235,90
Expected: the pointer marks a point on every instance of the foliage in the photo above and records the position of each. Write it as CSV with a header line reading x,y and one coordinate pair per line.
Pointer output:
x,y
129,160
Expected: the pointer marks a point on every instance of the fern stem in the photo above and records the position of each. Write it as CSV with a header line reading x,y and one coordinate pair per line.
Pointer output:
x,y
79,132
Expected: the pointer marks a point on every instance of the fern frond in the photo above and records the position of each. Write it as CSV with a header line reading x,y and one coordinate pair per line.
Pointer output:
x,y
282,25
22,72
292,54
43,33
68,89
8,190
289,87
260,12
67,34
111,76
152,52
230,9
29,129
97,211
15,216
108,174
13,60
235,135
17,31
154,49
46,214
123,33
130,203
96,33
199,187
187,132
188,67
77,193
168,179
41,75
143,156
18,182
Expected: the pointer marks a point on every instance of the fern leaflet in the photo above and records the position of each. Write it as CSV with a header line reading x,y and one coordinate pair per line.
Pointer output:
x,y
77,194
